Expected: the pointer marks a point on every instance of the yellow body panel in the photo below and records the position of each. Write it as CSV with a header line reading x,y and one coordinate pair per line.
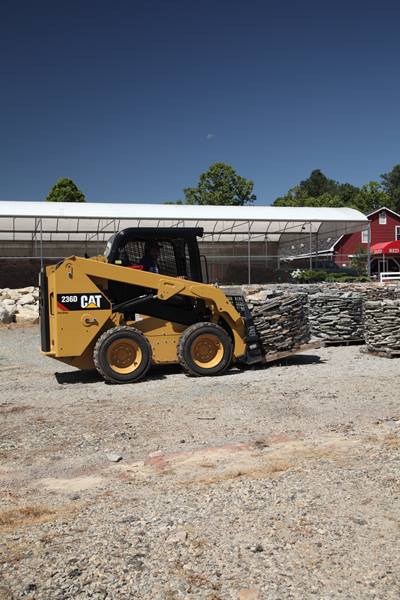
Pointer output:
x,y
163,337
73,333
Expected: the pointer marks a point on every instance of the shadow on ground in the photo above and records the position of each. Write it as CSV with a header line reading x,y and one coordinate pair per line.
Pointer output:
x,y
78,377
291,361
155,374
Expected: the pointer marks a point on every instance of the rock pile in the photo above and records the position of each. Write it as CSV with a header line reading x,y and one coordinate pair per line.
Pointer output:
x,y
19,305
369,291
337,317
383,292
281,320
382,326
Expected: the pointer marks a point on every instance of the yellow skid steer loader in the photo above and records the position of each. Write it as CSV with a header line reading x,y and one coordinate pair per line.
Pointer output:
x,y
124,311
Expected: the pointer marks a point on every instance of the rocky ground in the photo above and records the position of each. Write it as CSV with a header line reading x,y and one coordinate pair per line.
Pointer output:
x,y
268,483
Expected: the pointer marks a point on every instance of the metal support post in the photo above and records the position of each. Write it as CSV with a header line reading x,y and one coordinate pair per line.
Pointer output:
x,y
41,245
249,255
369,250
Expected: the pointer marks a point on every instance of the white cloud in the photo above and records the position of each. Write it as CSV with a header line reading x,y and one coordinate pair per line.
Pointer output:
x,y
209,136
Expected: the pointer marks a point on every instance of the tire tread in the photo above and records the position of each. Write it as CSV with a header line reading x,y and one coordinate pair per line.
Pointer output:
x,y
104,337
182,343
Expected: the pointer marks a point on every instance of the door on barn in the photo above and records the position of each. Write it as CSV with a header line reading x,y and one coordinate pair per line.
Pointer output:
x,y
384,264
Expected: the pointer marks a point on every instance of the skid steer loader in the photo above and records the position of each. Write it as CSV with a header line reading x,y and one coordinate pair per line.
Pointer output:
x,y
117,314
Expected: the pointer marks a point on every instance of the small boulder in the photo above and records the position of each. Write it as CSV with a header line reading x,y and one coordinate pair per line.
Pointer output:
x,y
10,307
179,537
26,299
5,316
258,296
113,457
26,290
7,302
13,294
25,316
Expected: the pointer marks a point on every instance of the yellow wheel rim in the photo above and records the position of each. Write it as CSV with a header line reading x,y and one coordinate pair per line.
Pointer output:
x,y
124,356
207,351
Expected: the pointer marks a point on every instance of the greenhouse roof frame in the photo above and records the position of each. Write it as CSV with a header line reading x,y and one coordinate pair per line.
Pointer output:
x,y
89,221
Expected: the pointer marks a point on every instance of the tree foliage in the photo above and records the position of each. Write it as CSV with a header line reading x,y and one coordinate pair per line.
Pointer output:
x,y
371,197
65,190
391,185
326,199
221,185
316,185
359,261
319,190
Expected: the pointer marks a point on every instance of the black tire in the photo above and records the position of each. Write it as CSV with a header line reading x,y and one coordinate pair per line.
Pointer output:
x,y
122,355
205,349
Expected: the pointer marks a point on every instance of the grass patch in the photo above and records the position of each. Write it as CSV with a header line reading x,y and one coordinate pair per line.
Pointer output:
x,y
26,515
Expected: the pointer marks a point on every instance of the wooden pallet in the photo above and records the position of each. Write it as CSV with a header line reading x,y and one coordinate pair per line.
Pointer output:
x,y
272,357
381,353
327,343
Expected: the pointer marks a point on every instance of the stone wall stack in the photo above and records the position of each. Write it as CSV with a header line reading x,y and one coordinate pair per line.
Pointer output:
x,y
281,320
337,318
382,326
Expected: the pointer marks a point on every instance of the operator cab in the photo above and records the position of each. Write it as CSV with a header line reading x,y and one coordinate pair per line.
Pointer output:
x,y
178,256
178,251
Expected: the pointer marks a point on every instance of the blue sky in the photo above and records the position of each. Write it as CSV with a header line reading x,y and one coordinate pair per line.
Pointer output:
x,y
134,99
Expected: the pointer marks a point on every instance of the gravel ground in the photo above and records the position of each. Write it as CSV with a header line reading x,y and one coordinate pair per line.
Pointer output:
x,y
268,483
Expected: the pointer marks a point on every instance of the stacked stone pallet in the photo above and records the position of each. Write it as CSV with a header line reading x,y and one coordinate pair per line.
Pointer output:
x,y
337,318
281,320
382,326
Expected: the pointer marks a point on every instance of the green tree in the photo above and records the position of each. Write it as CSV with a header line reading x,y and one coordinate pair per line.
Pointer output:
x,y
317,184
359,261
326,199
371,197
292,198
346,193
65,190
319,190
391,185
221,185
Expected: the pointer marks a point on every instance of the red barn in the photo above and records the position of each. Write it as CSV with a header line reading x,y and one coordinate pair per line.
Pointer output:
x,y
385,242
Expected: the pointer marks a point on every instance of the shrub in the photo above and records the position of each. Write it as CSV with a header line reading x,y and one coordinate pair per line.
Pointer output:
x,y
308,276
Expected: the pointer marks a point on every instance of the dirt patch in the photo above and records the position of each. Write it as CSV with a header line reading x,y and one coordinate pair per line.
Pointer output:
x,y
74,484
25,325
6,408
392,440
230,461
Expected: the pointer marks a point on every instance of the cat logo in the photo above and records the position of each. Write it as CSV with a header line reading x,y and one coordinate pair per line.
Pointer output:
x,y
92,301
88,301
